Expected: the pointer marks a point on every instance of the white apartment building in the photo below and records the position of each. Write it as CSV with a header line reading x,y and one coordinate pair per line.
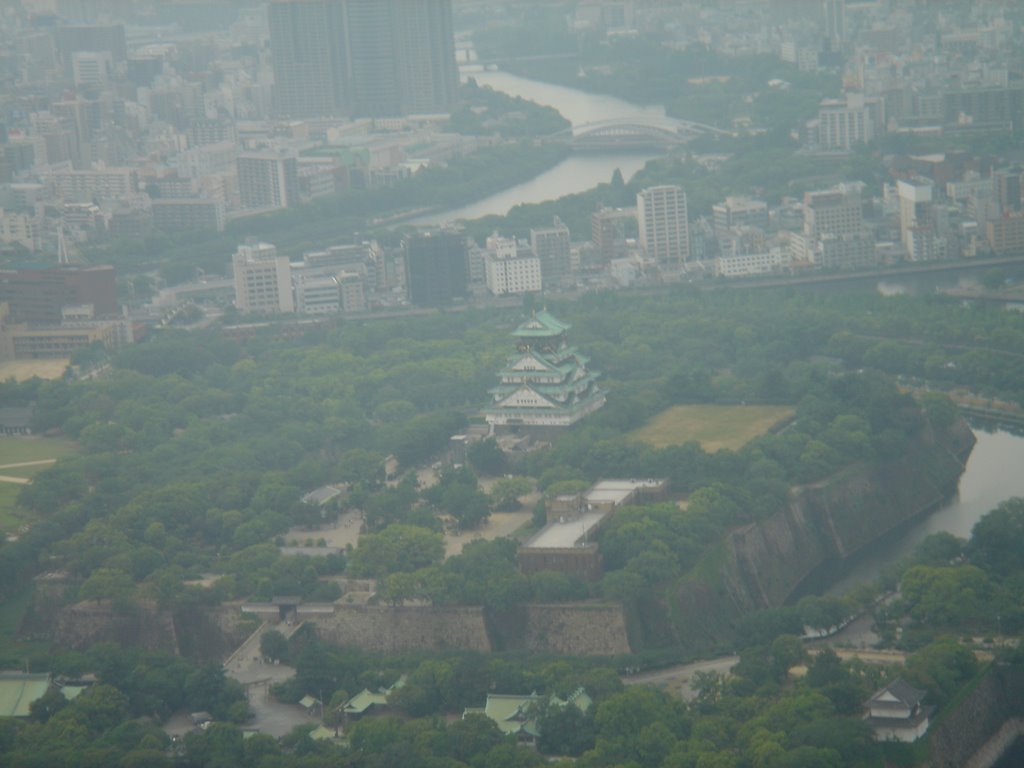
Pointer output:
x,y
263,281
509,268
83,186
25,229
842,123
744,264
918,223
664,230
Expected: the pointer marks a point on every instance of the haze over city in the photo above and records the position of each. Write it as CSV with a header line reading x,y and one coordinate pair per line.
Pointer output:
x,y
511,383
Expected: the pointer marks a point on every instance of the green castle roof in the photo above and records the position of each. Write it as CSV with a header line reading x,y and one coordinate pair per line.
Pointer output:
x,y
542,325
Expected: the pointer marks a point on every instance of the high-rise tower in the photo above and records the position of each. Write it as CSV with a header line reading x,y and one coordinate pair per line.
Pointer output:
x,y
664,230
365,58
307,43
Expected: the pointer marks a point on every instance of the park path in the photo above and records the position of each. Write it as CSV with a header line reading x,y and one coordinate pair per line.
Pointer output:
x,y
16,465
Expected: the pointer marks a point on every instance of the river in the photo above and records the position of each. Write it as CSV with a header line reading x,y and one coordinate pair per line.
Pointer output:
x,y
993,474
577,173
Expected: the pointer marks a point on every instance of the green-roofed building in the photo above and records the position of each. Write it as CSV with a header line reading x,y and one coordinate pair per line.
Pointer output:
x,y
18,690
546,383
516,715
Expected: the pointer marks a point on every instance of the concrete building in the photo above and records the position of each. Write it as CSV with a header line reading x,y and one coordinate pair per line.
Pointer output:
x,y
739,211
88,185
842,123
836,211
510,267
316,294
609,230
353,296
38,294
263,281
436,269
567,543
92,69
1005,235
664,229
552,245
918,222
268,179
745,264
177,214
24,229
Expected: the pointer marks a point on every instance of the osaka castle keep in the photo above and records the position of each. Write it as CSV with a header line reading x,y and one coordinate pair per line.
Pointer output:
x,y
546,383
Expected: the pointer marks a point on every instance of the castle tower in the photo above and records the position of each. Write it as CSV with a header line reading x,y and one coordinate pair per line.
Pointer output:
x,y
546,383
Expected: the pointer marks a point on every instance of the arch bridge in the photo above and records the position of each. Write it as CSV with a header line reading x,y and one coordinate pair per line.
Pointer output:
x,y
630,132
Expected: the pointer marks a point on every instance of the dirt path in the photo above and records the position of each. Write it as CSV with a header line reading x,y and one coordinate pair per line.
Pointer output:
x,y
36,463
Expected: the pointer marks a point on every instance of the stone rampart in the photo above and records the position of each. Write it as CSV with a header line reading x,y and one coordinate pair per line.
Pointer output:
x,y
395,629
84,624
578,629
965,733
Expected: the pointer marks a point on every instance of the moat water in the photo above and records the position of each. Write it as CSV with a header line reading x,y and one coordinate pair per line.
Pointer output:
x,y
992,474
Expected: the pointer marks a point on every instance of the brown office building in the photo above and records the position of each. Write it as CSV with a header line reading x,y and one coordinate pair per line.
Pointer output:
x,y
37,294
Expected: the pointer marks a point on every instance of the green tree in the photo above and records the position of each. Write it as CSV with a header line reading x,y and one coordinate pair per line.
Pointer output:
x,y
997,539
395,549
505,492
274,645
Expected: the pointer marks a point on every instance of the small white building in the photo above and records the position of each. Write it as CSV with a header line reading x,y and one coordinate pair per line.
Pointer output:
x,y
895,712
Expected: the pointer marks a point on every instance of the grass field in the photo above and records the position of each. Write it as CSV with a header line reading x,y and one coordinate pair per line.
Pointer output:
x,y
713,426
15,450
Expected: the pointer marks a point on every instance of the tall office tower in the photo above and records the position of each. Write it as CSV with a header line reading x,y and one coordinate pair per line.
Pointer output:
x,y
307,46
425,44
366,58
401,57
834,18
263,280
267,179
435,267
918,224
664,231
1006,183
552,246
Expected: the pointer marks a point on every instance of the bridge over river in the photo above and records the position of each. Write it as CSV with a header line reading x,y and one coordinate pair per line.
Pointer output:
x,y
633,132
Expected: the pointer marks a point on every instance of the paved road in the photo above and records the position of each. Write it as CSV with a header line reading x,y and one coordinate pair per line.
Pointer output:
x,y
677,679
247,666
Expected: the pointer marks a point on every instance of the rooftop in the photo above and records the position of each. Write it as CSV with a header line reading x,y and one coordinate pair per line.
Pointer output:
x,y
565,532
18,690
542,325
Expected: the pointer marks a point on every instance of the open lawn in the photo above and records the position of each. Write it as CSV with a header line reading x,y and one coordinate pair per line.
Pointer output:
x,y
14,450
21,458
713,426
